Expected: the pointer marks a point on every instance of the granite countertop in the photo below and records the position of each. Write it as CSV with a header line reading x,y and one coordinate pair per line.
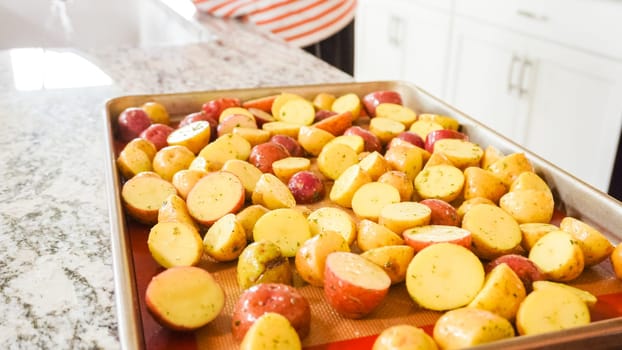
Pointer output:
x,y
56,279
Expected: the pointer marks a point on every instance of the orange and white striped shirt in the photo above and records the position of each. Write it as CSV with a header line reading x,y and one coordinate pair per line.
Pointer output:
x,y
299,22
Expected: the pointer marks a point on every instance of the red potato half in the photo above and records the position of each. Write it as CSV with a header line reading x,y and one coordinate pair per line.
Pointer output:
x,y
371,141
291,144
270,297
131,122
184,298
373,99
263,155
436,135
353,285
443,213
157,134
424,236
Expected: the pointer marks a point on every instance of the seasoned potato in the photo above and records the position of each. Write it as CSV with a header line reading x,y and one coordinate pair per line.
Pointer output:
x,y
405,159
494,232
398,217
444,276
185,179
215,195
193,136
347,103
184,298
440,181
285,227
311,257
143,196
335,124
476,327
404,337
313,139
370,198
396,112
246,172
335,158
508,168
136,157
225,147
385,128
461,153
551,309
225,239
174,209
172,159
393,259
400,181
272,193
271,331
262,262
445,121
470,203
374,164
482,183
355,142
559,256
595,246
373,235
528,205
502,293
175,244
332,219
348,182
528,180
249,216
270,297
589,298
532,232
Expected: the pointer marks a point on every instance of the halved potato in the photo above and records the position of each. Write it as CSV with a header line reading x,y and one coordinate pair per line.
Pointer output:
x,y
393,259
175,244
225,239
143,195
184,298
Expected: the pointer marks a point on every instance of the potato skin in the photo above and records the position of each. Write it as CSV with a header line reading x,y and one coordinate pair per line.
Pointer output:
x,y
526,270
443,213
270,297
263,155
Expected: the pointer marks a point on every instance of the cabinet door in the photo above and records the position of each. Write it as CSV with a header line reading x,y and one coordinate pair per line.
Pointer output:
x,y
405,40
483,75
574,110
426,49
378,50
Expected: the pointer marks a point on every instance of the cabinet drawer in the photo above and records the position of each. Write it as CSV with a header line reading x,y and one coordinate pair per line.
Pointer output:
x,y
591,25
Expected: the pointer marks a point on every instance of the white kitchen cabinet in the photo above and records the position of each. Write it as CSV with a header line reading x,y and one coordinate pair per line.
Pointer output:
x,y
560,102
403,40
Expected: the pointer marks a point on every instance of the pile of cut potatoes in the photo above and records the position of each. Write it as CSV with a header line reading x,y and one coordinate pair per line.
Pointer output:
x,y
465,227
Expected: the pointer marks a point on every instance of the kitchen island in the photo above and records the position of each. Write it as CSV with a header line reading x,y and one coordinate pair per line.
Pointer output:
x,y
56,273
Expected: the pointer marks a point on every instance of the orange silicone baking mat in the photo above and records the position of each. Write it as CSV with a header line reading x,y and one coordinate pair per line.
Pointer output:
x,y
134,266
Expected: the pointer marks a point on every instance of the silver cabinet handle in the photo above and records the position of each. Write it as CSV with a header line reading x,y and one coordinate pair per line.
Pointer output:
x,y
531,15
395,30
511,84
524,69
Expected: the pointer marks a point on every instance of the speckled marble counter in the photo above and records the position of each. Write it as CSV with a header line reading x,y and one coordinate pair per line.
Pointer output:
x,y
56,279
